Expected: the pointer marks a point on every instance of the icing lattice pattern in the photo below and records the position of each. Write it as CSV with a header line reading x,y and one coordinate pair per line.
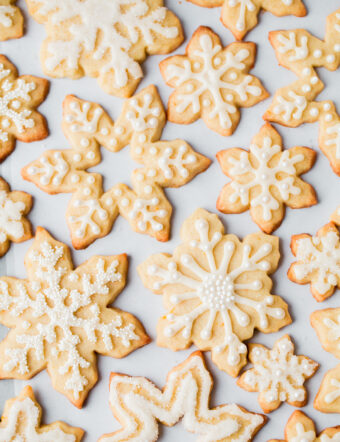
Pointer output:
x,y
91,212
301,52
216,290
139,404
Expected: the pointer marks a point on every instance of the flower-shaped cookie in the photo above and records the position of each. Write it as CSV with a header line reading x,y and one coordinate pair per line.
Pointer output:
x,y
142,404
19,97
216,290
13,224
265,179
293,105
104,39
300,428
59,318
91,212
11,20
278,374
240,16
212,82
318,261
21,422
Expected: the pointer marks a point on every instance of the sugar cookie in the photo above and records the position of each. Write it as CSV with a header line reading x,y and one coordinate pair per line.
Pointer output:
x,y
59,318
216,290
11,20
138,404
265,179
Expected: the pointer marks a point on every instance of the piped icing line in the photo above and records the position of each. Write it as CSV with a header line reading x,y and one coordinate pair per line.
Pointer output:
x,y
11,20
293,105
138,404
91,211
214,286
57,310
94,34
21,422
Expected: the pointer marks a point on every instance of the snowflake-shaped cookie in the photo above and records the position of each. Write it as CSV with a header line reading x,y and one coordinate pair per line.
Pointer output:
x,y
142,404
318,261
265,179
19,97
91,212
11,20
240,16
59,317
301,52
300,428
212,82
21,422
13,224
216,290
104,39
278,374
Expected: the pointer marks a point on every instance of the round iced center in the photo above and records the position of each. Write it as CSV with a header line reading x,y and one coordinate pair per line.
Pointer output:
x,y
217,292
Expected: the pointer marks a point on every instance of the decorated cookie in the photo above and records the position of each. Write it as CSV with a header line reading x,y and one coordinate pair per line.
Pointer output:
x,y
19,97
138,404
216,290
295,104
91,212
11,20
265,179
278,374
212,82
318,261
300,428
59,317
240,16
328,398
21,422
13,224
106,40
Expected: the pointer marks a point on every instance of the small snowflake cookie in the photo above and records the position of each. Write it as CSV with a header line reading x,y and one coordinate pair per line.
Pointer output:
x,y
240,16
19,97
278,374
138,404
13,224
300,428
91,212
21,422
11,20
104,39
216,290
295,104
327,326
59,318
212,82
318,261
265,179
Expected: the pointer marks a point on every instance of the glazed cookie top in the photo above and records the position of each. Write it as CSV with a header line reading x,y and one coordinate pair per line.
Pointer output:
x,y
11,20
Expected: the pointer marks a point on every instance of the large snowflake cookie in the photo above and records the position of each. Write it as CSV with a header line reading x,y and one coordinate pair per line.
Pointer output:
x,y
138,404
91,212
240,16
216,290
107,39
21,422
318,261
59,317
300,428
327,326
293,105
19,97
13,224
11,20
278,374
265,179
212,82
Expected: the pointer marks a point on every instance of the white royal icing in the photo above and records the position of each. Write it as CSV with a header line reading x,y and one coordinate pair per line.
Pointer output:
x,y
217,291
167,161
6,14
136,401
245,5
302,435
143,116
333,326
10,217
334,138
334,438
335,393
289,44
51,173
292,109
92,208
142,207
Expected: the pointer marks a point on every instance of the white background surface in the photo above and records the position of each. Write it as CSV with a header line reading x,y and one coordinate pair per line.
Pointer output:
x,y
48,211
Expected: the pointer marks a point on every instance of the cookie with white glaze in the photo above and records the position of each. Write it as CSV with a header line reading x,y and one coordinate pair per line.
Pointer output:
x,y
11,20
